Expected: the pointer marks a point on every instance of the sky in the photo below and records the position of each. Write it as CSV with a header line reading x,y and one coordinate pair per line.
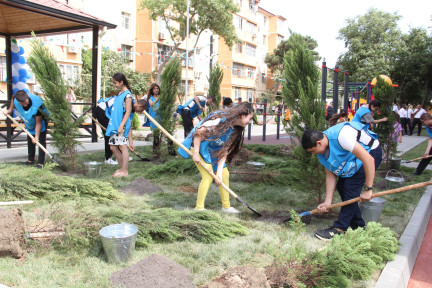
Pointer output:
x,y
322,19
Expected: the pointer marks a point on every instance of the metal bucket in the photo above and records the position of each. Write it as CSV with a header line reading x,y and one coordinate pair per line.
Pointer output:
x,y
371,211
394,179
118,241
93,169
255,165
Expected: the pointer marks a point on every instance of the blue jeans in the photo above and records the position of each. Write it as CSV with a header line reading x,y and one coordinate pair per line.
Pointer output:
x,y
349,188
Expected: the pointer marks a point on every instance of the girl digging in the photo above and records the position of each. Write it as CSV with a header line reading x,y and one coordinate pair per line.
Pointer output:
x,y
120,123
216,140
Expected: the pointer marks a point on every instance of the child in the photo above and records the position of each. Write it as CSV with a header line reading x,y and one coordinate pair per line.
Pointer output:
x,y
216,140
342,116
191,109
397,133
120,124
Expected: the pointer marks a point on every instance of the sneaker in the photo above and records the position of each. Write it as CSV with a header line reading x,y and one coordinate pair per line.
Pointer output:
x,y
199,209
130,159
231,210
328,233
39,166
110,161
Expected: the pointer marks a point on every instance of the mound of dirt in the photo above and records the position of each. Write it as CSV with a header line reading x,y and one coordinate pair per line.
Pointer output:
x,y
240,277
141,186
11,233
153,271
242,157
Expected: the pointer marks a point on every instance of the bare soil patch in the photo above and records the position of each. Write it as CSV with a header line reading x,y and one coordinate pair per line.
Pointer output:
x,y
188,189
11,233
241,277
141,186
153,271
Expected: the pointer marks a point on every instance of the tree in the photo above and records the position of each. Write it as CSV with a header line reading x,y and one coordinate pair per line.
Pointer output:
x,y
48,74
384,92
275,61
170,83
371,41
215,80
301,95
213,15
111,63
413,68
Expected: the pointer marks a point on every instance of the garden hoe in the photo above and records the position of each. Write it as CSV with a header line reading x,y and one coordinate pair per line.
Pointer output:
x,y
420,158
392,191
60,163
202,164
133,151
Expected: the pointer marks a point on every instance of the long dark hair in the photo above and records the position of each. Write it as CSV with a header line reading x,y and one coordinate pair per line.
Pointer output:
x,y
119,77
234,144
150,91
335,117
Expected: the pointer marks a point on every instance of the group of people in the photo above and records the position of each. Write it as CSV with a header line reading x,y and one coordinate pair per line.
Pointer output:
x,y
409,117
349,150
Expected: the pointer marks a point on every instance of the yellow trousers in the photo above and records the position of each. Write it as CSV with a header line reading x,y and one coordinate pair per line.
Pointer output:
x,y
206,181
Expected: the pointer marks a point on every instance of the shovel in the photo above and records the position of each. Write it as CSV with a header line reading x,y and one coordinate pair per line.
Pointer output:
x,y
420,158
202,164
392,191
133,151
60,163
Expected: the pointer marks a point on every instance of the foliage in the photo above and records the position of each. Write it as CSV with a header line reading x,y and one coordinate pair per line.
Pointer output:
x,y
385,93
179,167
112,62
371,41
171,80
215,80
19,182
46,71
301,96
215,16
273,150
275,61
135,123
413,69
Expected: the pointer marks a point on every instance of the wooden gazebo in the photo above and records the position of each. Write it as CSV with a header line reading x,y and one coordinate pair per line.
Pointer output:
x,y
18,18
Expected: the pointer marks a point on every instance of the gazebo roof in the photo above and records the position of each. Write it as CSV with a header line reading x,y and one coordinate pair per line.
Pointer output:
x,y
18,18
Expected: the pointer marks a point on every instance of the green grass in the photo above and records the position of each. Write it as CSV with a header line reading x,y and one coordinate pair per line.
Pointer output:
x,y
72,263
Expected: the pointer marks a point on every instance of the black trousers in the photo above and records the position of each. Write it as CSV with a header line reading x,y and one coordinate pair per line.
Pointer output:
x,y
31,148
187,121
406,125
423,164
416,121
103,119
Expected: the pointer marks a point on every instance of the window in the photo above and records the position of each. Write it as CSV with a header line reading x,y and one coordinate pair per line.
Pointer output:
x,y
182,54
3,68
250,72
238,2
238,70
263,78
163,26
239,47
251,27
237,92
279,39
163,51
70,73
264,40
125,20
249,93
126,51
252,5
250,50
238,22
265,21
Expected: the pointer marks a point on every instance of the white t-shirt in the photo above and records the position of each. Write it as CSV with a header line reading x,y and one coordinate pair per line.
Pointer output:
x,y
403,113
410,111
421,112
192,103
348,137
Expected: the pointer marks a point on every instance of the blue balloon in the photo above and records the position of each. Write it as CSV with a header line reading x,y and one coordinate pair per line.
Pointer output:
x,y
23,79
15,58
15,79
21,51
15,90
29,75
27,91
22,72
22,60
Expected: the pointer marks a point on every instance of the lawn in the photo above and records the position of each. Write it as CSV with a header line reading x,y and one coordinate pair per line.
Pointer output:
x,y
77,260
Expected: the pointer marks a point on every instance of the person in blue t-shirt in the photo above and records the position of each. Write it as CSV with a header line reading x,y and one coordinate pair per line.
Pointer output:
x,y
191,109
426,120
32,112
364,113
214,142
350,154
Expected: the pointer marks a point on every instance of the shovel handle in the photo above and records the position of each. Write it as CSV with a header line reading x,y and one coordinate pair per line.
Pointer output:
x,y
419,158
392,191
28,133
190,154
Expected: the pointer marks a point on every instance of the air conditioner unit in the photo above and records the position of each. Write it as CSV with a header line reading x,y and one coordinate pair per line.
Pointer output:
x,y
73,49
161,36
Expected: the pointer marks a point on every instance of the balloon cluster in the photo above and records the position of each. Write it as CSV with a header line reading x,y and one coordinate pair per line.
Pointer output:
x,y
20,73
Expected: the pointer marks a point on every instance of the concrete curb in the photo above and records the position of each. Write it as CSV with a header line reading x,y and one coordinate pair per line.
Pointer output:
x,y
397,273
